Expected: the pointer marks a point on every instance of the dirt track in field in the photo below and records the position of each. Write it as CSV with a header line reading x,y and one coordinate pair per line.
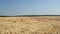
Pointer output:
x,y
30,25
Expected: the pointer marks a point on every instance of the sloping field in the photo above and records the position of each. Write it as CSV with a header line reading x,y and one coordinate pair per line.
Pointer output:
x,y
30,25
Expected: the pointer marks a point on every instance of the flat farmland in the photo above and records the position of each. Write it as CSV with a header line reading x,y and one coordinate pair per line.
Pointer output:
x,y
30,25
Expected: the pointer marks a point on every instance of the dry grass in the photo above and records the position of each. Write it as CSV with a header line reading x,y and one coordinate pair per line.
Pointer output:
x,y
30,25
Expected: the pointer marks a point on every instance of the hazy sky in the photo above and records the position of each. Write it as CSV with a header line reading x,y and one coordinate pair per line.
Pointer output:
x,y
29,7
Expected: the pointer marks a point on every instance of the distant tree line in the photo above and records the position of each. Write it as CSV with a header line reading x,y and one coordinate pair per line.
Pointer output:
x,y
27,15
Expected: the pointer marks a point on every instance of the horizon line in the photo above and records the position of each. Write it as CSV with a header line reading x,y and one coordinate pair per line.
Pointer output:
x,y
25,15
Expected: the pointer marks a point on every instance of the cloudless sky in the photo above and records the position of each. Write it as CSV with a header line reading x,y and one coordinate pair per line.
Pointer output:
x,y
29,7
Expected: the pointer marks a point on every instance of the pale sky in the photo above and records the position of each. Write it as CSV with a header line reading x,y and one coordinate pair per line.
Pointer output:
x,y
29,7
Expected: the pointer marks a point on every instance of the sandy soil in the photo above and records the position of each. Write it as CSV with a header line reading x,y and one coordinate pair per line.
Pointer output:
x,y
30,25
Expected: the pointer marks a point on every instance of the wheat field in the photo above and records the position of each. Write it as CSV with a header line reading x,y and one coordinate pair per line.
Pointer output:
x,y
30,25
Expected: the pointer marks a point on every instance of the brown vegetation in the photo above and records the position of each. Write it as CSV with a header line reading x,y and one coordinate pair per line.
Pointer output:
x,y
30,25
